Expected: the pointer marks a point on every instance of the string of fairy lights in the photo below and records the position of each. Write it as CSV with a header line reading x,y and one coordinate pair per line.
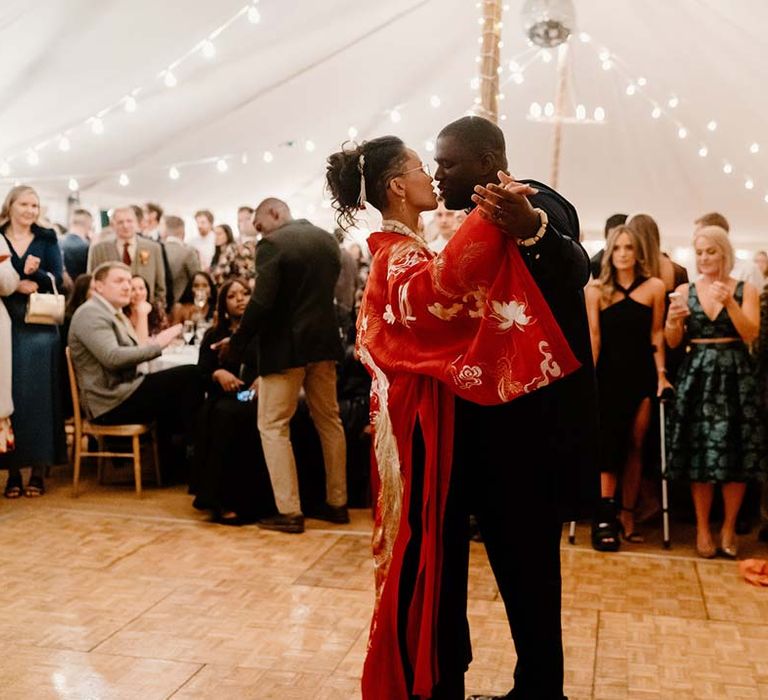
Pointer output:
x,y
512,72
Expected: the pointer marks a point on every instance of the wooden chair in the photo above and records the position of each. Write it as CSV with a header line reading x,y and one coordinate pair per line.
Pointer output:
x,y
85,427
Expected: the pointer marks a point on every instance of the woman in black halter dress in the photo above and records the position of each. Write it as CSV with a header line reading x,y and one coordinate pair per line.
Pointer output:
x,y
626,310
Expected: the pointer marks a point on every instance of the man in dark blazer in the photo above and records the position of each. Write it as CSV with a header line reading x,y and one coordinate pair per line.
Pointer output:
x,y
529,464
292,314
142,256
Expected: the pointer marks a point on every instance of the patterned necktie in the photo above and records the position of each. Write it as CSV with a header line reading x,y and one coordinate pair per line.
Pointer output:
x,y
126,254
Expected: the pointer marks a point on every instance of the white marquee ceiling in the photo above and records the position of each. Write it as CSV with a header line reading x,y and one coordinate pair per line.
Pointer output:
x,y
310,70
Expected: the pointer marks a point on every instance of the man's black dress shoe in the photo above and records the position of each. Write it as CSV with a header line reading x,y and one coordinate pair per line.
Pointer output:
x,y
329,513
283,523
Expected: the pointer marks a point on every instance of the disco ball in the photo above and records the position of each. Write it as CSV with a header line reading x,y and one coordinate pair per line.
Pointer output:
x,y
548,23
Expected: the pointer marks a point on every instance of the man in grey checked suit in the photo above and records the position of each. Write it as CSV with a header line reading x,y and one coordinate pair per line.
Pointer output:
x,y
106,354
142,256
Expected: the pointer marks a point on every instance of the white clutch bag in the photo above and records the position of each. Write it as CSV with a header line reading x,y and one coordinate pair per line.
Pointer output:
x,y
46,309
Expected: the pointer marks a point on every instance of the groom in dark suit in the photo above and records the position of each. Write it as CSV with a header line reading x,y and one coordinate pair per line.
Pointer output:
x,y
529,464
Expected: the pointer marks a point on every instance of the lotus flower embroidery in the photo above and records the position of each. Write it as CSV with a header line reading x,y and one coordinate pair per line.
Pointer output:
x,y
469,376
510,313
389,316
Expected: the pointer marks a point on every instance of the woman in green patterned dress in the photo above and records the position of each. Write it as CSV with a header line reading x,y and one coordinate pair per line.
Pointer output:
x,y
716,429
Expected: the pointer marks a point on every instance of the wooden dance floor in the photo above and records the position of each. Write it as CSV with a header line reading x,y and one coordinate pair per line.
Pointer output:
x,y
109,596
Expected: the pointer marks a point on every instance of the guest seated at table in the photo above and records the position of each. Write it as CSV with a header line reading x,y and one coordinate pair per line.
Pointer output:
x,y
147,319
106,354
198,302
231,477
81,292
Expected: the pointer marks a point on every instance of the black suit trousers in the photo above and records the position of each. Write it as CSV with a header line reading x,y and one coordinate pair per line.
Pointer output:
x,y
513,493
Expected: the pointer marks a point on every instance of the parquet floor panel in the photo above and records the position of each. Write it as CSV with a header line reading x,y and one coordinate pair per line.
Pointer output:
x,y
109,596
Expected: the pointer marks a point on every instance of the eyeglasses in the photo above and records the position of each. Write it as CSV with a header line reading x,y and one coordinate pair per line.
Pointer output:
x,y
424,167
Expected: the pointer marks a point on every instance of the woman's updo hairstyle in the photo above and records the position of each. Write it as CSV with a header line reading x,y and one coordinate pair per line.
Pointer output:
x,y
383,159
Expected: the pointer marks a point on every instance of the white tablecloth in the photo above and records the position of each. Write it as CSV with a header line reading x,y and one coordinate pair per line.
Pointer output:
x,y
175,356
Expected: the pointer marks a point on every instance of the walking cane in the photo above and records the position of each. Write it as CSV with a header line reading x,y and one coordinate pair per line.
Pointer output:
x,y
665,397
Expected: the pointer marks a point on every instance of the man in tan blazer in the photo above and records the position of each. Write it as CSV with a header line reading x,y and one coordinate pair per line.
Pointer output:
x,y
143,256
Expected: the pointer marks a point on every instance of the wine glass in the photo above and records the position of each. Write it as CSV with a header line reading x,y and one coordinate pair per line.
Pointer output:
x,y
188,331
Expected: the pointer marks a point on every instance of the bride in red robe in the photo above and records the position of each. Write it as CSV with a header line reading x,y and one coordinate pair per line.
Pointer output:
x,y
469,321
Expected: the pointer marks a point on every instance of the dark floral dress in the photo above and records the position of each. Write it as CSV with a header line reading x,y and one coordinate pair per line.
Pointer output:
x,y
716,430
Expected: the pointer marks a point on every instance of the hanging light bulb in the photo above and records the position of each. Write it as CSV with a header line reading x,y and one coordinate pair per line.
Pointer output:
x,y
174,173
682,132
703,151
309,145
607,65
712,125
514,67
64,144
352,132
73,185
518,78
33,157
244,158
395,116
656,113
754,148
208,49
478,101
254,16
268,157
130,103
749,184
429,145
673,102
535,110
581,112
435,101
170,79
585,38
549,109
546,56
5,168
599,114
604,55
221,165
124,180
765,199
631,89
727,168
97,126
474,84
642,82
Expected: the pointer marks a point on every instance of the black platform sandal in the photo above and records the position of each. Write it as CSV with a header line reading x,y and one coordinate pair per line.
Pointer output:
x,y
605,528
13,487
35,487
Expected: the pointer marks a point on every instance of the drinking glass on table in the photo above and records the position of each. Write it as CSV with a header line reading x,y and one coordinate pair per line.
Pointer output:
x,y
188,331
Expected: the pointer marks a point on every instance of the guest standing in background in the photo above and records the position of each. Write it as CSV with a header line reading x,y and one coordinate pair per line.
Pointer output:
x,y
75,243
183,260
38,422
204,242
224,255
626,316
716,431
9,280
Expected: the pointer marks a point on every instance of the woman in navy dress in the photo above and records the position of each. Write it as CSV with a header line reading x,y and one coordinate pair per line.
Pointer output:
x,y
36,385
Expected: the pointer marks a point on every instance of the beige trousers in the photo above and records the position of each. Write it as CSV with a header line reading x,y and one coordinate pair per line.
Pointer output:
x,y
278,399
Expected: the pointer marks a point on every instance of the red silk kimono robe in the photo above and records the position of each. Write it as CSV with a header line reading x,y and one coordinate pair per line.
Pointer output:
x,y
469,321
